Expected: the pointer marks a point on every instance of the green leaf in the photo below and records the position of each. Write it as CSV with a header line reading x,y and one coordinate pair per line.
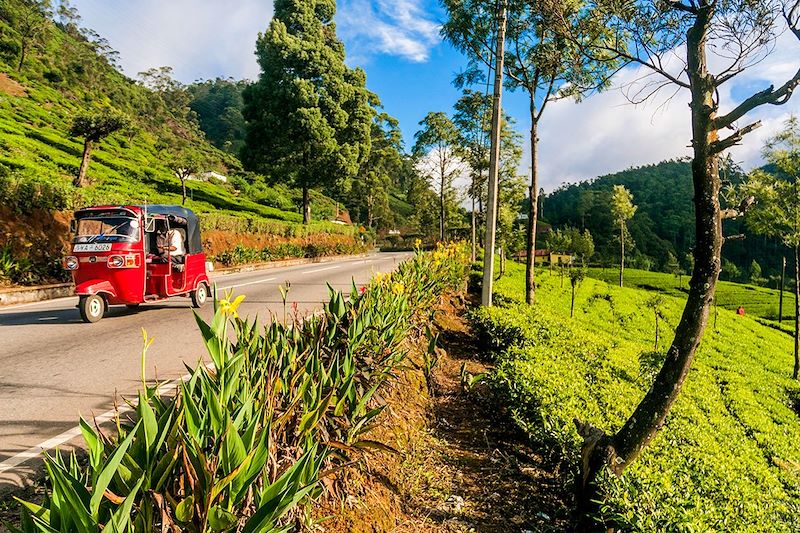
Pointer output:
x,y
108,472
219,519
184,512
122,515
95,446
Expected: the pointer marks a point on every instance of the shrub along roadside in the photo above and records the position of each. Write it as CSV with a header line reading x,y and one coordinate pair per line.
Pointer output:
x,y
726,458
319,246
247,440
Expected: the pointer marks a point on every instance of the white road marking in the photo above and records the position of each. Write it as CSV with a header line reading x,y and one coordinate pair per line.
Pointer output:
x,y
246,284
320,269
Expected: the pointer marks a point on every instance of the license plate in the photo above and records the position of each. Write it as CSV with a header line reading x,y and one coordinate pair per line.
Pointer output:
x,y
92,247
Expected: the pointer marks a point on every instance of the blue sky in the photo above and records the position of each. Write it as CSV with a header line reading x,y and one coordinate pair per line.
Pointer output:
x,y
411,69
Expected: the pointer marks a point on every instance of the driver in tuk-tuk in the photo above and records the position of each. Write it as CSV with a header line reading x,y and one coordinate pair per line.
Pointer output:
x,y
170,245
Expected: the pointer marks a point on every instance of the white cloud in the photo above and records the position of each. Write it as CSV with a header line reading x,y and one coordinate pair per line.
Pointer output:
x,y
198,38
401,28
605,133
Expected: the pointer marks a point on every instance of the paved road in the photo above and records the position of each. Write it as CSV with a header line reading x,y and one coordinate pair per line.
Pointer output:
x,y
54,367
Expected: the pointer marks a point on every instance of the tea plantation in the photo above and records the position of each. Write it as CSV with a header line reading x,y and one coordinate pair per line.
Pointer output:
x,y
727,457
759,301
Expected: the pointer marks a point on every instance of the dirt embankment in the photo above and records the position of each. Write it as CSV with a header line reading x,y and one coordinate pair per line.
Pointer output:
x,y
11,87
461,463
40,236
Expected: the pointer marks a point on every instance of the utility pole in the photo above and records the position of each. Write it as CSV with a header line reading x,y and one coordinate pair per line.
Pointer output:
x,y
494,161
780,298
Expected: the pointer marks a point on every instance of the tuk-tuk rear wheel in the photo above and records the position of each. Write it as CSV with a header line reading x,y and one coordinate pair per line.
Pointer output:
x,y
92,307
200,295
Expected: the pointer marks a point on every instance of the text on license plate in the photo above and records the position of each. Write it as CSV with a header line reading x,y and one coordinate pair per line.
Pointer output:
x,y
92,247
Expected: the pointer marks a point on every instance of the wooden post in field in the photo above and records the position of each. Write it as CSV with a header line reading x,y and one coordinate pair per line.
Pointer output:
x,y
494,162
780,298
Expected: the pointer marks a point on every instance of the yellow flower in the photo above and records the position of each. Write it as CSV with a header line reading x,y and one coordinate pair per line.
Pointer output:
x,y
417,243
398,288
228,307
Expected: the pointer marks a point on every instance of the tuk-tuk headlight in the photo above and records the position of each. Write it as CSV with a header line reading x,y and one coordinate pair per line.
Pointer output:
x,y
116,261
71,263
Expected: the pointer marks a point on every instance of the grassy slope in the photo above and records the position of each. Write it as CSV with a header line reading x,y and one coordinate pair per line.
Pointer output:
x,y
727,457
66,76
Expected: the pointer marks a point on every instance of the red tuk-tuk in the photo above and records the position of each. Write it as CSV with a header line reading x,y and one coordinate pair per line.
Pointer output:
x,y
119,257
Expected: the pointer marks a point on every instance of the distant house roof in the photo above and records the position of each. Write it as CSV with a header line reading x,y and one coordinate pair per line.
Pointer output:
x,y
536,253
215,175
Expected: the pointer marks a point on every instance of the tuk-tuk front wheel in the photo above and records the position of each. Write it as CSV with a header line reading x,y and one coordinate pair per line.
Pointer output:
x,y
200,295
92,308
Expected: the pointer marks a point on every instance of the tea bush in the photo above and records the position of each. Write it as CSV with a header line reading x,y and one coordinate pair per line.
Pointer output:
x,y
726,458
246,441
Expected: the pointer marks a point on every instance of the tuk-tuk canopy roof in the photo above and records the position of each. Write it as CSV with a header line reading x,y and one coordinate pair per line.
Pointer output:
x,y
194,245
179,214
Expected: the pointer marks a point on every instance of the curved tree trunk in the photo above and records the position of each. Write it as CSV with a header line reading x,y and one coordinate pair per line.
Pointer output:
x,y
530,260
80,179
23,50
618,451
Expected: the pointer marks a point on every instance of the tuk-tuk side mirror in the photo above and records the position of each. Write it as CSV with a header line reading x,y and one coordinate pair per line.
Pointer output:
x,y
73,226
149,225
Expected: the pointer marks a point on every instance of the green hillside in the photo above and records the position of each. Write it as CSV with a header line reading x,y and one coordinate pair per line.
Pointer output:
x,y
67,71
727,457
664,221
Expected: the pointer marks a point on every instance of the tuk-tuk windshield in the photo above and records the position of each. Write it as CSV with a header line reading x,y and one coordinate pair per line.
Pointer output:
x,y
107,229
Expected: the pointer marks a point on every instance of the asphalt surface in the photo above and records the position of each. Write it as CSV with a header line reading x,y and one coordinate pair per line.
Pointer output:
x,y
54,367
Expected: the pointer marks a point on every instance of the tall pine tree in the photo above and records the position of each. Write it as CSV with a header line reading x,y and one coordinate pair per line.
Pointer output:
x,y
308,114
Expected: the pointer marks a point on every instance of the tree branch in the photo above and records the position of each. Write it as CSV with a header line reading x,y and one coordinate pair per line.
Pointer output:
x,y
734,139
680,6
767,96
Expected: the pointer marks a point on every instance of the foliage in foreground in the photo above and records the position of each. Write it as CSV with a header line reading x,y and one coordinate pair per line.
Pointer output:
x,y
248,438
726,459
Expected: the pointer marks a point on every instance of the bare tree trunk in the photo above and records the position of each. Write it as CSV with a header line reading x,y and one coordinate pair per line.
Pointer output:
x,y
655,346
183,189
572,303
474,254
780,297
621,250
306,205
441,208
618,451
23,50
530,261
796,312
80,179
